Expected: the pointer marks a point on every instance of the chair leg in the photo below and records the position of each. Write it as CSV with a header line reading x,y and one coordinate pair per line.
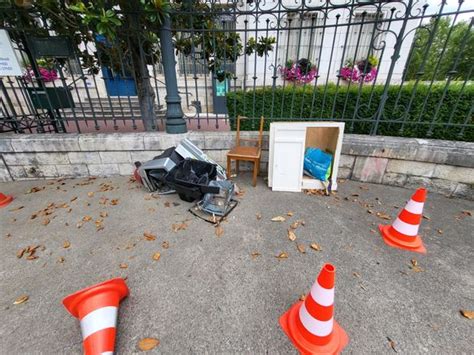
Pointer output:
x,y
255,171
229,165
237,166
258,167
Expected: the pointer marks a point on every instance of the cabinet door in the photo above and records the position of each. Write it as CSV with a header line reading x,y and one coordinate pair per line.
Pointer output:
x,y
288,155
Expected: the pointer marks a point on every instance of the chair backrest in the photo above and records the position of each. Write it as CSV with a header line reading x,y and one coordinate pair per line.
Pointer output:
x,y
258,141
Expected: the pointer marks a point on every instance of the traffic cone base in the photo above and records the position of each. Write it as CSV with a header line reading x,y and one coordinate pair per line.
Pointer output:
x,y
5,199
416,244
338,339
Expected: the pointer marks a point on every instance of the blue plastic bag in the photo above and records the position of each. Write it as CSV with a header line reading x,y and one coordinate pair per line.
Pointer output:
x,y
317,163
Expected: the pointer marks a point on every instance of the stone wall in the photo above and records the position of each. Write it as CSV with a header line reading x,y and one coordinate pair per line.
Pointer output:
x,y
443,166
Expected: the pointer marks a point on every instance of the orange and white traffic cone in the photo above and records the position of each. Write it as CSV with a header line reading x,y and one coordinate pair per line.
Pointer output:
x,y
97,307
403,233
310,324
5,199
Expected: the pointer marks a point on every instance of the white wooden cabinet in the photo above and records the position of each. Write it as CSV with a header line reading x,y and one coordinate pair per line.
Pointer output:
x,y
288,142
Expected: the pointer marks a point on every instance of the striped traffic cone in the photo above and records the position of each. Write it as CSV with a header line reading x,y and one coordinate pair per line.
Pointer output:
x,y
97,307
310,324
5,199
403,233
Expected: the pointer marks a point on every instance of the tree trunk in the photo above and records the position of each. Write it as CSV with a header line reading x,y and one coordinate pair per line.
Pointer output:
x,y
146,98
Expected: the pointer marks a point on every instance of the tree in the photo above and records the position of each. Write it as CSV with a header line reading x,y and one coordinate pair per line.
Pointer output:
x,y
124,33
435,51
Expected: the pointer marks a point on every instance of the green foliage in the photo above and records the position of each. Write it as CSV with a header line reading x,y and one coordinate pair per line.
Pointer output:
x,y
358,107
262,46
435,51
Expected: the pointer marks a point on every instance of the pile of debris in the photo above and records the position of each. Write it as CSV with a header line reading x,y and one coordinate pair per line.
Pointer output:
x,y
189,172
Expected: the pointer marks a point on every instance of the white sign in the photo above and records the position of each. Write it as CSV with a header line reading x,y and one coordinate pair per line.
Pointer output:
x,y
9,64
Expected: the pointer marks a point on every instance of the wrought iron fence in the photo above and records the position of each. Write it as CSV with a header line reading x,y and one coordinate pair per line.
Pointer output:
x,y
399,67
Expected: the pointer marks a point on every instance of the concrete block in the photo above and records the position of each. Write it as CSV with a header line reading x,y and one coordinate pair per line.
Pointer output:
x,y
221,140
41,171
111,142
410,168
454,173
84,157
161,140
394,179
17,172
5,145
103,169
415,182
344,173
369,169
464,191
144,156
46,143
126,169
115,157
445,187
346,161
4,173
36,158
72,170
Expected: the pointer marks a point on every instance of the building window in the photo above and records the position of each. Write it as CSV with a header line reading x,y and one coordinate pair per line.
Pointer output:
x,y
365,35
302,39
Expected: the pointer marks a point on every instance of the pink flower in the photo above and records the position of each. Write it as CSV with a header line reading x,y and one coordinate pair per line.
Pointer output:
x,y
47,75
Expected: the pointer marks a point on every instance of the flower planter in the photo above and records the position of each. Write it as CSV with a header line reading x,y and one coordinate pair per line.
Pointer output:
x,y
118,85
51,98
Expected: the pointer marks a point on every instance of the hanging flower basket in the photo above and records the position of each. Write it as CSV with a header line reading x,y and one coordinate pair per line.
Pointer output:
x,y
364,70
300,71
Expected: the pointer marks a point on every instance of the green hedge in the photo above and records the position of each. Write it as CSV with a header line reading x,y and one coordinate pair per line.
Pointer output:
x,y
294,103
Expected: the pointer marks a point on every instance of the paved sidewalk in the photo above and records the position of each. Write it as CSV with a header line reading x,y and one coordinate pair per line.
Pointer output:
x,y
207,294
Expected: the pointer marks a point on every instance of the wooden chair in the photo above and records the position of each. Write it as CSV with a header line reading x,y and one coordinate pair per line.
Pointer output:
x,y
245,152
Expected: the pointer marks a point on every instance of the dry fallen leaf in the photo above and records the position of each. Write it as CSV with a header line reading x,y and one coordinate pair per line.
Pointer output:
x,y
278,219
440,231
19,253
282,255
73,199
60,260
148,344
467,213
289,214
103,200
316,246
86,218
301,248
291,235
103,214
16,208
90,194
427,218
45,221
114,201
165,245
355,274
259,216
149,236
294,225
255,254
66,244
302,297
123,265
392,344
167,204
79,224
467,314
21,299
156,256
383,216
179,226
414,266
219,231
